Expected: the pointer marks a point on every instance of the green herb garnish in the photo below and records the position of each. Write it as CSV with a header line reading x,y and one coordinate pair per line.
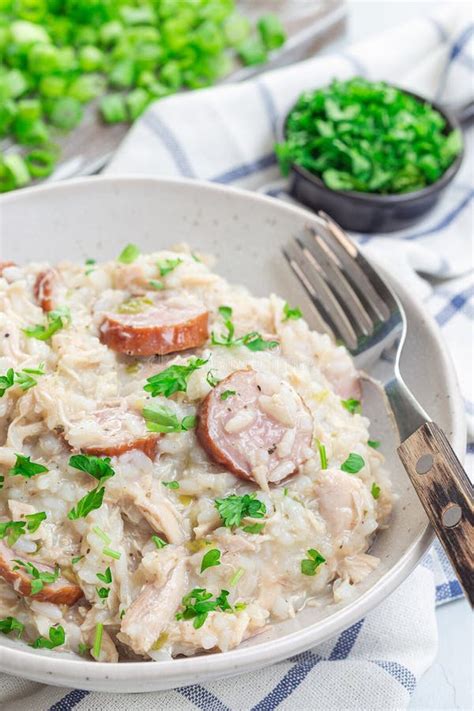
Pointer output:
x,y
254,528
34,520
88,503
234,508
210,559
168,265
173,379
159,542
375,444
161,419
310,565
368,137
98,639
353,406
353,464
322,454
40,578
24,379
198,604
25,467
105,577
57,637
290,313
55,321
128,254
11,624
375,490
98,467
253,340
171,484
227,394
211,379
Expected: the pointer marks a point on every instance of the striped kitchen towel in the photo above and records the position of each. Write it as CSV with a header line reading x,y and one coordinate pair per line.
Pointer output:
x,y
226,134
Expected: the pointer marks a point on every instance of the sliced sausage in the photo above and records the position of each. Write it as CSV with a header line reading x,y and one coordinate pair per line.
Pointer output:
x,y
262,432
4,265
110,432
167,326
61,592
44,288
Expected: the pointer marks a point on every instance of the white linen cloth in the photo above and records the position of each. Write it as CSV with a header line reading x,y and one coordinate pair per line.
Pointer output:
x,y
226,134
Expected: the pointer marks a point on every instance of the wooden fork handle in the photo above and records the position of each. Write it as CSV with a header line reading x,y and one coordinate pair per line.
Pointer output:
x,y
446,493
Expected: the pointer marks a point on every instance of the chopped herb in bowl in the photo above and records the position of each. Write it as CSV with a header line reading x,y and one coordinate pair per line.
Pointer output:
x,y
368,137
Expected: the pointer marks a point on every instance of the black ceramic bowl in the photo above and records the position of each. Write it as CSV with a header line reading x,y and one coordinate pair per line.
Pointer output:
x,y
371,212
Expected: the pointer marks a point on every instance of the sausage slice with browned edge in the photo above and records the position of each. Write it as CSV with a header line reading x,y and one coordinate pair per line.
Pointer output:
x,y
110,432
166,326
257,426
61,592
44,287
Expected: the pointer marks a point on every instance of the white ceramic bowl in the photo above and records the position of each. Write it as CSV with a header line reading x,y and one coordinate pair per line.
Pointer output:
x,y
95,218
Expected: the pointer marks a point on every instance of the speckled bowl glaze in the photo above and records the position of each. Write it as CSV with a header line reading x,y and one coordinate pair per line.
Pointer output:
x,y
95,218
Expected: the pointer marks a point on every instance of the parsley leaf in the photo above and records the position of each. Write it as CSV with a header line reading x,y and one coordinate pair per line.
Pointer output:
x,y
234,508
167,265
161,419
11,624
13,530
105,577
7,381
353,406
253,340
89,502
375,490
173,379
171,484
254,528
310,565
353,464
290,313
34,520
211,379
373,443
98,467
25,467
40,578
128,254
55,321
210,559
57,637
157,285
198,604
227,394
159,542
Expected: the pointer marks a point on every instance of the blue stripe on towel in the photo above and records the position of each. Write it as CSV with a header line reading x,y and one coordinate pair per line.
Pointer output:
x,y
403,675
461,42
246,169
202,698
346,641
69,701
167,137
459,302
289,682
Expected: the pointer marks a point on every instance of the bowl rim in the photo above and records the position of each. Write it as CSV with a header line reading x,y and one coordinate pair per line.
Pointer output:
x,y
378,199
181,672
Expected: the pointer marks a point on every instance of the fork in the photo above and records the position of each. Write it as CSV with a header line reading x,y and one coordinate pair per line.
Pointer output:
x,y
357,307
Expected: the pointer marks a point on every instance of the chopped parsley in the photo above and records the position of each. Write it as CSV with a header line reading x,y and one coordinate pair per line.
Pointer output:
x,y
128,254
157,285
171,484
234,508
89,502
353,464
13,530
55,321
159,542
23,378
98,467
322,454
198,604
353,406
290,313
168,265
161,419
227,394
375,490
25,467
11,624
103,593
105,577
57,637
375,444
34,520
210,559
310,565
76,559
173,379
211,379
40,578
253,340
82,648
254,528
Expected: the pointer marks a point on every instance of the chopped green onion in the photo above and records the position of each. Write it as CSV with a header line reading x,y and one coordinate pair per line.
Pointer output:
x,y
111,553
102,535
236,577
97,640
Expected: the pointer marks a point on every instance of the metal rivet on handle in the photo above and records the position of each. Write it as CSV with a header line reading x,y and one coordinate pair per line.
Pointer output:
x,y
424,464
451,515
